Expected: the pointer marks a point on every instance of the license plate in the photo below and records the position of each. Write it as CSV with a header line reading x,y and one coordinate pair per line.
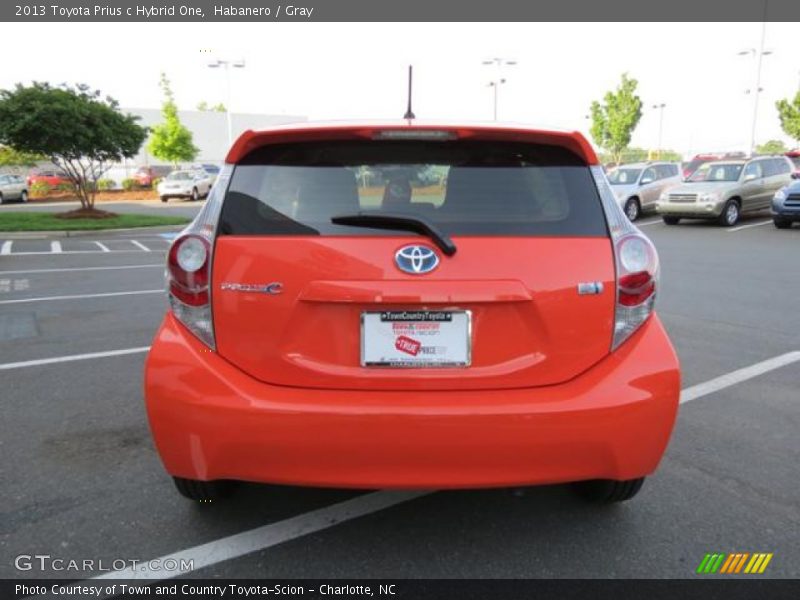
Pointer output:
x,y
416,338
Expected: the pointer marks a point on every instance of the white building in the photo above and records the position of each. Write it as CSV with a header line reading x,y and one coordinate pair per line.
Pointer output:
x,y
209,132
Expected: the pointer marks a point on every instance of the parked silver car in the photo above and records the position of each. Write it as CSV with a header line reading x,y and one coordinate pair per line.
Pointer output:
x,y
725,189
192,184
638,186
13,187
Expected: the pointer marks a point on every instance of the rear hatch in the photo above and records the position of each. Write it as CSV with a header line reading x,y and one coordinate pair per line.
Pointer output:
x,y
527,299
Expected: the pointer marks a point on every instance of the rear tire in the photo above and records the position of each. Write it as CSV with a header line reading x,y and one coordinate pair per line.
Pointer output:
x,y
607,491
671,220
164,198
202,491
730,214
632,209
781,223
23,197
195,195
1,198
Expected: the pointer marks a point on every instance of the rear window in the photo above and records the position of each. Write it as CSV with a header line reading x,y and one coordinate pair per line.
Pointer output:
x,y
465,188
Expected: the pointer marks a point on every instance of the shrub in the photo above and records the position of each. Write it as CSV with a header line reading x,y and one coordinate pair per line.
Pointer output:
x,y
156,181
65,187
40,189
105,184
129,184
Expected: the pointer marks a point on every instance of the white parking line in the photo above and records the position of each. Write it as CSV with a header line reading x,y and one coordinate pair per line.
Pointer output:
x,y
273,534
63,359
55,247
148,266
267,536
6,248
748,226
646,223
79,296
738,376
102,247
140,245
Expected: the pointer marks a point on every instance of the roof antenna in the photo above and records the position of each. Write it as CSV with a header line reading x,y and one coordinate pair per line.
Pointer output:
x,y
409,113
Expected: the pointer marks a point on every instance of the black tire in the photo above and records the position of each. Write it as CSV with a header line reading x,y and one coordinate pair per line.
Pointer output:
x,y
202,491
23,197
1,198
164,198
671,220
781,223
730,214
195,195
607,491
633,210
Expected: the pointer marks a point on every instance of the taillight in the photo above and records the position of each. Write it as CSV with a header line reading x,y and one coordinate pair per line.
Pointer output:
x,y
636,263
637,279
188,268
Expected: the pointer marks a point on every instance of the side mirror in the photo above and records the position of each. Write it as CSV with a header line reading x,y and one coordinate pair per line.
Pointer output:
x,y
750,177
796,175
646,180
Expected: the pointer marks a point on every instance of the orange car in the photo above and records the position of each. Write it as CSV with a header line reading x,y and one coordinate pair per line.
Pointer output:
x,y
399,305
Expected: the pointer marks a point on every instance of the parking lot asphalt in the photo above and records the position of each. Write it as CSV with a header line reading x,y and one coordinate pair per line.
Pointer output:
x,y
82,478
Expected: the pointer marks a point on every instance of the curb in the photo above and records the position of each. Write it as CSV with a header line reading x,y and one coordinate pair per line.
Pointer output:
x,y
22,235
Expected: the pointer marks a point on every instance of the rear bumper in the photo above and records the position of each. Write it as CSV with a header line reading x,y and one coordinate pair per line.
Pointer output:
x,y
211,421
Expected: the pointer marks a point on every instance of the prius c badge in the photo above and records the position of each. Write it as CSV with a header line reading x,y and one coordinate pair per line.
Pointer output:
x,y
416,260
276,287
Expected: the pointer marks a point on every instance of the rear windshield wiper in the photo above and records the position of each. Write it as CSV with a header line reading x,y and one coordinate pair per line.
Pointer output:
x,y
400,221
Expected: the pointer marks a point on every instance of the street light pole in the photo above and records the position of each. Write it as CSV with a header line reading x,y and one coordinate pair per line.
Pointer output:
x,y
227,64
499,63
660,107
759,56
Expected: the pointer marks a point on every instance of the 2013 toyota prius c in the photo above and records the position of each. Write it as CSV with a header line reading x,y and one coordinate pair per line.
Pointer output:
x,y
408,305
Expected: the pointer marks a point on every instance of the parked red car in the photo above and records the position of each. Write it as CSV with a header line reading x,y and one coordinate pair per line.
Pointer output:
x,y
51,177
701,159
794,156
145,175
496,331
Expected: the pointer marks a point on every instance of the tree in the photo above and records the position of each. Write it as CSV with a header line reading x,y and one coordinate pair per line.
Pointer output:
x,y
77,129
772,147
171,140
9,157
789,114
204,107
614,120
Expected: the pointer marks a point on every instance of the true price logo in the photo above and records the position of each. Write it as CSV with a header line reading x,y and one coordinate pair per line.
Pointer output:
x,y
407,345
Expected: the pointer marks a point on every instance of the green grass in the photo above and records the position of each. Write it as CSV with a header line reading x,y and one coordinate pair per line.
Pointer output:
x,y
41,221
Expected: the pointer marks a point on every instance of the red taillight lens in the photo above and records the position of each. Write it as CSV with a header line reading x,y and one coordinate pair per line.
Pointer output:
x,y
188,269
635,288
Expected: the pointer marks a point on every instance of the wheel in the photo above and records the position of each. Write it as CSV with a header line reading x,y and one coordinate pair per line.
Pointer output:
x,y
23,197
195,195
1,198
781,223
606,491
730,214
164,198
671,220
202,491
632,209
